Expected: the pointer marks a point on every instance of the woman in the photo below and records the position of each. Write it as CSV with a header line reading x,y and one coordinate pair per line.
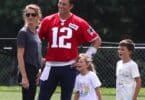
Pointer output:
x,y
29,51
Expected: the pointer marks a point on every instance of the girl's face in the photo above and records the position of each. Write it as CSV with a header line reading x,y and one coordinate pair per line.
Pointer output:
x,y
123,52
82,65
31,17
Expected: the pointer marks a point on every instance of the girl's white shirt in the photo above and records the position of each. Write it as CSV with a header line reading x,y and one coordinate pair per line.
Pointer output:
x,y
86,85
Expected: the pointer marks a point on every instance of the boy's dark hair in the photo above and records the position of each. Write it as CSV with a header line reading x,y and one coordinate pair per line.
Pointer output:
x,y
128,43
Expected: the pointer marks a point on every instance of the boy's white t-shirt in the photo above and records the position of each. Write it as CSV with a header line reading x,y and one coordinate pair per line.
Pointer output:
x,y
86,85
125,83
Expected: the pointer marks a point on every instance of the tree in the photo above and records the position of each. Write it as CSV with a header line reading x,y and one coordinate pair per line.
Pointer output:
x,y
112,19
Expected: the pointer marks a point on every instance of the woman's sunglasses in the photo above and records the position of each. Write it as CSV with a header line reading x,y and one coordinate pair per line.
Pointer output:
x,y
31,14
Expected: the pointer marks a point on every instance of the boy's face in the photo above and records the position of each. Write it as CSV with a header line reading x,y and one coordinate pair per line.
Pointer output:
x,y
123,52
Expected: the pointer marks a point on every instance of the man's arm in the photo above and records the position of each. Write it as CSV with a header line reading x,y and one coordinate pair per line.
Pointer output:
x,y
94,46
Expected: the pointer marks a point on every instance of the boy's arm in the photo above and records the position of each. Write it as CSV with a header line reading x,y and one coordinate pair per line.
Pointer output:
x,y
137,88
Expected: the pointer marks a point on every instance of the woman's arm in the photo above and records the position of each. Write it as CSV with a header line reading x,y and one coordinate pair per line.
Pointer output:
x,y
20,57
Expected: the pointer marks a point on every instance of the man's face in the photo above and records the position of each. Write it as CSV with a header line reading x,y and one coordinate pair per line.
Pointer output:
x,y
64,6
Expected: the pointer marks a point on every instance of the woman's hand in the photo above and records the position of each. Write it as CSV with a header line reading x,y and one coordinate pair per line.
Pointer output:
x,y
25,83
38,77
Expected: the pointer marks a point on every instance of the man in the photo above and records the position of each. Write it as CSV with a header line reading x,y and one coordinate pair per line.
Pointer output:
x,y
64,32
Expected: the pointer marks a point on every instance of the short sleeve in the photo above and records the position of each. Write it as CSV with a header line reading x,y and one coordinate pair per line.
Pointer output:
x,y
21,39
95,80
43,28
88,33
134,70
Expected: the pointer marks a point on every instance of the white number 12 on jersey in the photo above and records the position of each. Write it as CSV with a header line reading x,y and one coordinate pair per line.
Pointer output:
x,y
61,39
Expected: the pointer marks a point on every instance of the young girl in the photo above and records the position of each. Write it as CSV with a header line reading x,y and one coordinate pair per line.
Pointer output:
x,y
128,81
87,82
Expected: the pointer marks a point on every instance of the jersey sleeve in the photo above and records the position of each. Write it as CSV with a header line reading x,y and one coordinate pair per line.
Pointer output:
x,y
88,34
21,39
135,71
43,28
95,80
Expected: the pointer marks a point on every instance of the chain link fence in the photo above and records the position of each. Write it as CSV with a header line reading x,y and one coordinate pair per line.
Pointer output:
x,y
105,60
8,62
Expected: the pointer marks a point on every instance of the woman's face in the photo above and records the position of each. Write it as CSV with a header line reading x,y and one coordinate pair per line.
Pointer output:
x,y
31,17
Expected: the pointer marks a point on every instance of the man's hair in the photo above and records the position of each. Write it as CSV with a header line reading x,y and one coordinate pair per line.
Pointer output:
x,y
72,1
127,43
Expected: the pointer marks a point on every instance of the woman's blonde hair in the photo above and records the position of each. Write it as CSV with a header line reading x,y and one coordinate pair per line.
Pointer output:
x,y
88,61
35,7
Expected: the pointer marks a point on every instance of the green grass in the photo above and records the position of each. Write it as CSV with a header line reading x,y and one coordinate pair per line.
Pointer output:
x,y
14,93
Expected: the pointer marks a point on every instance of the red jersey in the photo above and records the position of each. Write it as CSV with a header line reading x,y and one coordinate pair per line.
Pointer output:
x,y
64,36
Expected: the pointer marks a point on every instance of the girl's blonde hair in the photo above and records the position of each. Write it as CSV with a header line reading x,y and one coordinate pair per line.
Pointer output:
x,y
88,61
